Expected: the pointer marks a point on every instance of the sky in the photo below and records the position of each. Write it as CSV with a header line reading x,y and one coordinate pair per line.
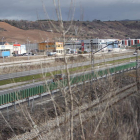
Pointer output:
x,y
86,10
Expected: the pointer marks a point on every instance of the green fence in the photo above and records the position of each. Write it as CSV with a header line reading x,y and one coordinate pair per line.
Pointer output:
x,y
22,94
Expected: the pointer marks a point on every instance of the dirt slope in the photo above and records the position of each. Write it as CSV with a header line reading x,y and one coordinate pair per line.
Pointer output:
x,y
37,30
13,34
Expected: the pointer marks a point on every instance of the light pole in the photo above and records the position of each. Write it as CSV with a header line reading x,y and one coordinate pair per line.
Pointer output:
x,y
29,47
2,40
97,39
2,44
29,50
137,66
92,61
47,47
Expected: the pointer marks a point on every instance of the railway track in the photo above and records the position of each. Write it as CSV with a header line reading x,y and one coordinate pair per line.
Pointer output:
x,y
88,111
4,99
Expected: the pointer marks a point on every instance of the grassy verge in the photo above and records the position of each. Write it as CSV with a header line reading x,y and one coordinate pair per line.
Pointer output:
x,y
38,77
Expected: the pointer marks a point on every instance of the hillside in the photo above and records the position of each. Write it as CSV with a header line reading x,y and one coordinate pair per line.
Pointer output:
x,y
13,30
13,34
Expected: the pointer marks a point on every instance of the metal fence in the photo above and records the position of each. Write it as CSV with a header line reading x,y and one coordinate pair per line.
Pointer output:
x,y
26,93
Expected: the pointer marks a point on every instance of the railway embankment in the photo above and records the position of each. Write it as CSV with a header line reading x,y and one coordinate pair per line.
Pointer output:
x,y
109,106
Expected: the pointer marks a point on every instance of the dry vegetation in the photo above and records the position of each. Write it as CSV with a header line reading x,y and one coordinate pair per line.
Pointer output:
x,y
44,63
49,118
92,110
37,30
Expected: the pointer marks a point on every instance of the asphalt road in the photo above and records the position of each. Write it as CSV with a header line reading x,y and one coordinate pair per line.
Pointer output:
x,y
44,70
43,82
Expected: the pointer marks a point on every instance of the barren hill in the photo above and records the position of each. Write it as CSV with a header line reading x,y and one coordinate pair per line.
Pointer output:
x,y
14,34
37,31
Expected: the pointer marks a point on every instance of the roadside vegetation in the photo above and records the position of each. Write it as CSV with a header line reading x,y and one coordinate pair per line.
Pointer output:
x,y
48,75
101,108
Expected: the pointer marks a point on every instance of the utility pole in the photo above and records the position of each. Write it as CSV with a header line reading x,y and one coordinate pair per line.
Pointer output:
x,y
2,40
92,72
92,59
137,66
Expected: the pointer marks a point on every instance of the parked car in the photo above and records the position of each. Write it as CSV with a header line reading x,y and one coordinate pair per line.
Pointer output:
x,y
51,53
135,53
58,77
17,54
79,52
73,51
25,54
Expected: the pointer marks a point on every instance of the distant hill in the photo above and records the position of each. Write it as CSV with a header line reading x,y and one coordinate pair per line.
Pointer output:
x,y
42,30
130,20
14,34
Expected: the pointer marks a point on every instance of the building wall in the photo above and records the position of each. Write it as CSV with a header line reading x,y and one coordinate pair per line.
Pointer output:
x,y
130,42
59,47
17,49
97,44
30,47
50,46
23,49
4,49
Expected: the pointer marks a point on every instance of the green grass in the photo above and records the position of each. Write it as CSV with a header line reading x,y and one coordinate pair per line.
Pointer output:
x,y
28,78
48,74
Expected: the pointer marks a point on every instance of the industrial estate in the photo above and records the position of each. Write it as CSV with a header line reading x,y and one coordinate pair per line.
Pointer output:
x,y
73,46
69,87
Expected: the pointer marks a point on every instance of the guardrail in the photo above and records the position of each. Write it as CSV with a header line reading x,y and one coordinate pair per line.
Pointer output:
x,y
38,90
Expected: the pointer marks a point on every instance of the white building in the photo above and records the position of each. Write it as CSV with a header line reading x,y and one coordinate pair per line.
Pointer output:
x,y
19,49
97,44
6,50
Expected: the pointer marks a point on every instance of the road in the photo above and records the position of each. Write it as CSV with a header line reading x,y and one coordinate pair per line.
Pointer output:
x,y
5,91
40,60
61,67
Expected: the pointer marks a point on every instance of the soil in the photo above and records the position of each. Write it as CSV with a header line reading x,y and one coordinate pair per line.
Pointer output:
x,y
14,34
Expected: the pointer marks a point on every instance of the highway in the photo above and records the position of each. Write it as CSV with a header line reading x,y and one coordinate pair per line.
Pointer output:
x,y
43,82
42,60
61,67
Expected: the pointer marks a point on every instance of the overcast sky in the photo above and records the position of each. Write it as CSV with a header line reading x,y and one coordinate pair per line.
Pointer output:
x,y
92,9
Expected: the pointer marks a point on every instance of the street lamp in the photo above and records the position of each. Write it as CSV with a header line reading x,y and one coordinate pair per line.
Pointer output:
x,y
97,43
47,47
2,40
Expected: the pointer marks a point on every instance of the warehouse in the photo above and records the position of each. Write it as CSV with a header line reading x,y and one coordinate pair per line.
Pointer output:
x,y
130,42
5,49
51,47
19,49
97,43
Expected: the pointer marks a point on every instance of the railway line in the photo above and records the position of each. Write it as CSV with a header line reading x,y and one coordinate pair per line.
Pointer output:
x,y
35,92
61,67
88,111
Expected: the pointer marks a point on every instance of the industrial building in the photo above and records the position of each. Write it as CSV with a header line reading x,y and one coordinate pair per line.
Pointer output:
x,y
30,47
5,49
19,49
130,42
8,50
51,47
97,43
